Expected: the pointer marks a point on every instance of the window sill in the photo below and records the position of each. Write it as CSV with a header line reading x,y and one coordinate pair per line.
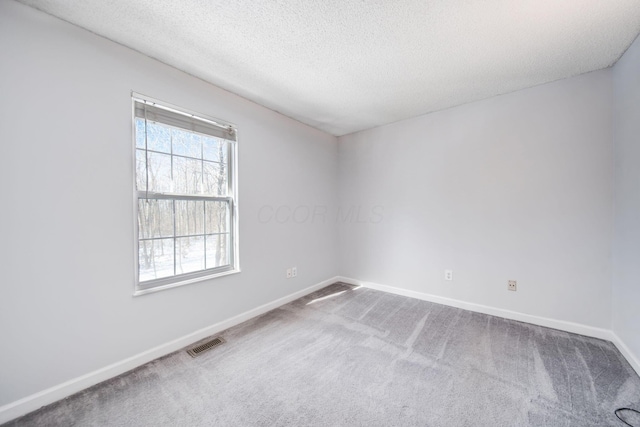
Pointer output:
x,y
139,292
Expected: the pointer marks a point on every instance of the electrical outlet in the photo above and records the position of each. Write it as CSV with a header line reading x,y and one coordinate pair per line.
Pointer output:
x,y
512,285
288,273
448,275
294,271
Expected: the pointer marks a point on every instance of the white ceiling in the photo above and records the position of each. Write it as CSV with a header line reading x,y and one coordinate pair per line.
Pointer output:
x,y
347,65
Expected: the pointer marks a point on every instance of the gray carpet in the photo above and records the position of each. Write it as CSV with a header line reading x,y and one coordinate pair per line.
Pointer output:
x,y
347,356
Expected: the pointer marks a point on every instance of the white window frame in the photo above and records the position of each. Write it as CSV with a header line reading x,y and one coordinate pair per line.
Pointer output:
x,y
231,133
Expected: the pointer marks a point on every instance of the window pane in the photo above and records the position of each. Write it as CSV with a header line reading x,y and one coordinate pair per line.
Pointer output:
x,y
155,218
216,217
187,175
189,217
186,143
159,172
217,250
215,149
158,137
178,234
155,259
215,178
189,254
141,170
139,133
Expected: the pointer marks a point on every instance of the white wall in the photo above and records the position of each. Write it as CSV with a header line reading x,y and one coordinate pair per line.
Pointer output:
x,y
626,245
514,187
66,305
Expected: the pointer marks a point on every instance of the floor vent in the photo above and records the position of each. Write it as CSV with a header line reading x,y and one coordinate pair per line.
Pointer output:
x,y
201,348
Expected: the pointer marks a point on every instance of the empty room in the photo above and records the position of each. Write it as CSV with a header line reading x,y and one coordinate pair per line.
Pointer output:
x,y
320,213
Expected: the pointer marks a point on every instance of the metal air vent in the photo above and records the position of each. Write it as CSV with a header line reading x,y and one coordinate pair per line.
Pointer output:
x,y
201,348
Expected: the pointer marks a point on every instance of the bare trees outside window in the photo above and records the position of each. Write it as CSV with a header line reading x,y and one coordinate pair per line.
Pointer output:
x,y
186,196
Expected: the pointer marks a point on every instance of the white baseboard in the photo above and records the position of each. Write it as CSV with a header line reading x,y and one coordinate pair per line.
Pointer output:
x,y
28,404
627,353
562,325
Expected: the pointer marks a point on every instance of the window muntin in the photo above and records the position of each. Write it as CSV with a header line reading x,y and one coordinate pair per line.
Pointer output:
x,y
186,196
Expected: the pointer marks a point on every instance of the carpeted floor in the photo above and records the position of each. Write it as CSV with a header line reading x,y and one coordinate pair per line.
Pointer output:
x,y
347,356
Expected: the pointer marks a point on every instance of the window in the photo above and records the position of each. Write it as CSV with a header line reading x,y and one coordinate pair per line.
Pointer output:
x,y
186,196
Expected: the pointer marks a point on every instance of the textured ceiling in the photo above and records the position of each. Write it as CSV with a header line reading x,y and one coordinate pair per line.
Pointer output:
x,y
348,65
